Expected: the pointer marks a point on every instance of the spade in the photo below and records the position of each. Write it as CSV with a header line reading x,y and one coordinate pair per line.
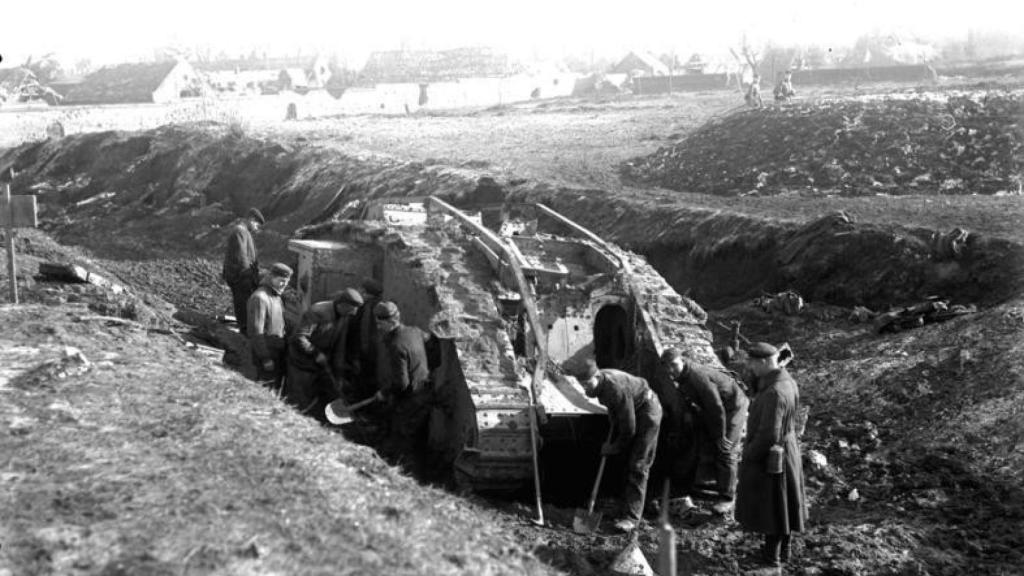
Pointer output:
x,y
338,412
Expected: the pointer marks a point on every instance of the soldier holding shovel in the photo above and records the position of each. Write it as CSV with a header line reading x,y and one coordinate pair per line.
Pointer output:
x,y
635,416
316,352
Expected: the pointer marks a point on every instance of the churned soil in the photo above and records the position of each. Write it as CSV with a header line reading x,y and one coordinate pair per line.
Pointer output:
x,y
124,452
112,468
939,143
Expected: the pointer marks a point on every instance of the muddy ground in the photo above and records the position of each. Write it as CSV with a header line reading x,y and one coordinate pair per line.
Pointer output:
x,y
920,430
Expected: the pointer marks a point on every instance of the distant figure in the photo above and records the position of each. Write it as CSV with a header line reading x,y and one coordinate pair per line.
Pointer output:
x,y
424,98
266,326
55,130
292,113
784,89
753,96
241,268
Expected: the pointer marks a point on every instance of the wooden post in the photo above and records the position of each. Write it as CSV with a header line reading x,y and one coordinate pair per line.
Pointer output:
x,y
15,212
12,267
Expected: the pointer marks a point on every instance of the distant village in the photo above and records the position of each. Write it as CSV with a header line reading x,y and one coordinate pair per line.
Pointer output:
x,y
403,80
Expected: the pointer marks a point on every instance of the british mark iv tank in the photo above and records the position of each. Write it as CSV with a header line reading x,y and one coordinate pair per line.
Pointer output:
x,y
516,297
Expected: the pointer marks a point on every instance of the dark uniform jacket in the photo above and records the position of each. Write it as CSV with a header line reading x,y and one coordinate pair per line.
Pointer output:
x,y
319,331
772,503
406,367
716,394
240,257
624,395
362,336
265,324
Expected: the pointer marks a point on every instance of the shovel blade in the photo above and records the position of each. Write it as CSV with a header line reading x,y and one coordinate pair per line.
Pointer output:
x,y
338,413
586,522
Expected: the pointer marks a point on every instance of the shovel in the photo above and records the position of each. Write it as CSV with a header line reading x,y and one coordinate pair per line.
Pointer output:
x,y
587,521
667,564
339,413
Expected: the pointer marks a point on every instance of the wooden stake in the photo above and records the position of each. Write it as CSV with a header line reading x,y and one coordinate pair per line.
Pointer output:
x,y
12,267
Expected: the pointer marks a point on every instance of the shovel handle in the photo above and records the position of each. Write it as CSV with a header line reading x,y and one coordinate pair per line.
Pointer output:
x,y
597,484
362,403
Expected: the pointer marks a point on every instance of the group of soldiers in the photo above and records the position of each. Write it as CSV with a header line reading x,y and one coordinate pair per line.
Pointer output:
x,y
352,345
751,445
355,344
783,91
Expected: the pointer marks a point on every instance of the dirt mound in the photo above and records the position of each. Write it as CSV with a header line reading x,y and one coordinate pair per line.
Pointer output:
x,y
964,144
127,453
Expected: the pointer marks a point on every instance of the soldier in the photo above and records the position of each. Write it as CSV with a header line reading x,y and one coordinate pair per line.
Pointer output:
x,y
316,352
266,326
404,386
634,413
364,343
241,268
784,88
720,408
770,496
753,96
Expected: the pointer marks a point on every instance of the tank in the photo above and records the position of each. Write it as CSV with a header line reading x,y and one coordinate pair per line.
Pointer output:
x,y
515,297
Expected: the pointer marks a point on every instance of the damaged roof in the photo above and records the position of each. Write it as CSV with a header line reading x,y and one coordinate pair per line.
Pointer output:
x,y
119,84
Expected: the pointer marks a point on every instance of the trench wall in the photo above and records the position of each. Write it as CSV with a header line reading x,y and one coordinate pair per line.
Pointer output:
x,y
177,187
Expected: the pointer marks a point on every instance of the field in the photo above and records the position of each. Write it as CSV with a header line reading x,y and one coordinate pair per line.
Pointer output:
x,y
110,469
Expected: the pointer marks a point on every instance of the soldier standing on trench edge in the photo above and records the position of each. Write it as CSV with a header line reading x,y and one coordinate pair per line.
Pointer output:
x,y
770,497
266,326
241,268
634,414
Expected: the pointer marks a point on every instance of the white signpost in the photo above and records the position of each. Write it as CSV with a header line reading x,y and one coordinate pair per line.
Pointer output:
x,y
15,212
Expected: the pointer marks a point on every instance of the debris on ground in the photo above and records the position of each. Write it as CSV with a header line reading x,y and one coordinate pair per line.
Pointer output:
x,y
918,315
789,302
966,143
58,272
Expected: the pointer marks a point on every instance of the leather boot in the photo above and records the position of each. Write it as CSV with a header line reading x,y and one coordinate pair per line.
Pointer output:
x,y
770,550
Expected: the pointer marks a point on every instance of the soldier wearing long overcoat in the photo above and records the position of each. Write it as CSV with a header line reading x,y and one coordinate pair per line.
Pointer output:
x,y
770,498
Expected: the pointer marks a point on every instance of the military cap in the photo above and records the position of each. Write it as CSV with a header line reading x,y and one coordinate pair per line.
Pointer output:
x,y
256,215
762,350
587,371
280,269
670,355
348,296
385,310
372,287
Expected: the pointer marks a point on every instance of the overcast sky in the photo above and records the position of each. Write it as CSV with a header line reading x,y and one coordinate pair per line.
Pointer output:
x,y
106,31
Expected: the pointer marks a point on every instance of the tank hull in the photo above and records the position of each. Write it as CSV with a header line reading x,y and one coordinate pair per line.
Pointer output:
x,y
503,332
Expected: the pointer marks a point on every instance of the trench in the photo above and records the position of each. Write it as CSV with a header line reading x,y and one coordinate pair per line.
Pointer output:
x,y
168,192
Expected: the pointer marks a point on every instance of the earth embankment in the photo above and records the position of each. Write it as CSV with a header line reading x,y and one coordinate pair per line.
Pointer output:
x,y
176,187
948,143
